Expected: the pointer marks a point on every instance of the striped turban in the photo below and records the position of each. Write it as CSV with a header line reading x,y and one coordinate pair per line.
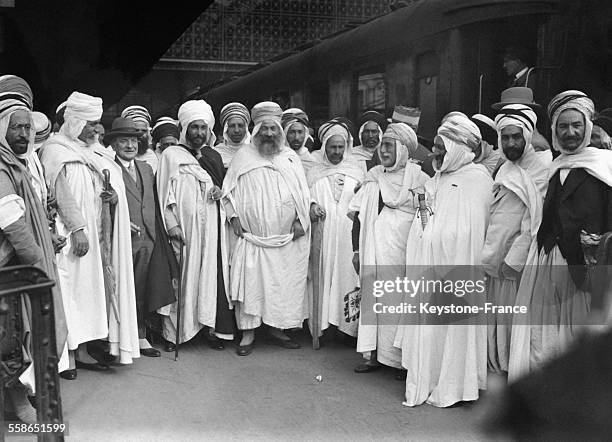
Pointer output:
x,y
295,112
335,127
457,126
487,128
165,126
138,114
194,110
406,143
234,110
42,125
575,100
294,115
375,117
15,93
517,115
266,110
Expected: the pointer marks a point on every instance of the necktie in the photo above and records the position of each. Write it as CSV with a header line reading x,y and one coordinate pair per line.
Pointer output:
x,y
132,172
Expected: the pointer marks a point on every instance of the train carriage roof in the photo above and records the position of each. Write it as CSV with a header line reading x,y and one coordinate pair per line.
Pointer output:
x,y
394,29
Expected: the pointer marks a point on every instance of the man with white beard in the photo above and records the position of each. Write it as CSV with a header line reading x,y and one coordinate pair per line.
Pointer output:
x,y
268,203
74,162
386,206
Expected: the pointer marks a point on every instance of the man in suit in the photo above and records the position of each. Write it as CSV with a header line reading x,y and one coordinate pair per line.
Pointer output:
x,y
138,178
516,64
577,211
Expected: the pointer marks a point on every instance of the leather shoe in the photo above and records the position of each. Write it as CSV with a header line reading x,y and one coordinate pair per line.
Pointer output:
x,y
93,367
169,346
366,368
102,356
245,350
150,352
214,342
285,343
69,375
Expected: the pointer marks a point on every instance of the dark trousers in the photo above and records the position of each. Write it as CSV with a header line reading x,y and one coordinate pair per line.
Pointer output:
x,y
142,247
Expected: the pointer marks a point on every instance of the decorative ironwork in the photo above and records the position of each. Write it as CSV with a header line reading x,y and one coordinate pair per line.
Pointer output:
x,y
33,284
239,30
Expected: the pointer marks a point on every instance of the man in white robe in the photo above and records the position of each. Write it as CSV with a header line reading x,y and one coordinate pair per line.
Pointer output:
x,y
447,363
74,164
188,182
332,181
555,285
516,212
383,234
295,128
268,203
235,121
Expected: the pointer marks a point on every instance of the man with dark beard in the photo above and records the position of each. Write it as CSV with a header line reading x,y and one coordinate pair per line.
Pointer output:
x,y
267,201
295,128
189,184
142,119
372,124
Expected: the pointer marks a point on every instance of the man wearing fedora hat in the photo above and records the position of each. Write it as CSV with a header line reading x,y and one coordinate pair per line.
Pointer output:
x,y
138,179
524,95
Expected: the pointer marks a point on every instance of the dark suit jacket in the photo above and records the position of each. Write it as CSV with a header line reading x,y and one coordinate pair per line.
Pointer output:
x,y
141,197
582,203
528,79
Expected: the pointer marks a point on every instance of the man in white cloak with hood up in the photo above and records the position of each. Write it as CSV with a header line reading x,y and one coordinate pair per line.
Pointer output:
x,y
516,212
447,362
268,205
332,181
74,163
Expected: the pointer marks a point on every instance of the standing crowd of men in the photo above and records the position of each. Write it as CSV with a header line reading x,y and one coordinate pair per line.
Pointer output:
x,y
127,219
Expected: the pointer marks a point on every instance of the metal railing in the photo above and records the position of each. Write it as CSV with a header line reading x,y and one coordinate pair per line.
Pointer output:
x,y
33,283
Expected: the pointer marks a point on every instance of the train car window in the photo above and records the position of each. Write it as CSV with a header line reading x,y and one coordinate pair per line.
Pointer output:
x,y
371,92
427,72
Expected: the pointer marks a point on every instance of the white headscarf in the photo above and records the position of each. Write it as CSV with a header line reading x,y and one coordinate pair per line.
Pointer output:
x,y
194,110
460,137
80,108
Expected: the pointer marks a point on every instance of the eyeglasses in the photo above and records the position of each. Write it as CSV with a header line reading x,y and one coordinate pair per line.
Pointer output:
x,y
20,127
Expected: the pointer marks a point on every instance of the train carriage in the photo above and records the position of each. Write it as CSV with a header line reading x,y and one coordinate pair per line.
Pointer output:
x,y
438,55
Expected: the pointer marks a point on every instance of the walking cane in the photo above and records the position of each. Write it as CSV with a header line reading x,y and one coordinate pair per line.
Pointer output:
x,y
178,302
315,263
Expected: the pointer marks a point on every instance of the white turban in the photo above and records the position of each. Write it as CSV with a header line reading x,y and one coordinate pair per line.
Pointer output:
x,y
406,143
459,128
194,110
80,108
